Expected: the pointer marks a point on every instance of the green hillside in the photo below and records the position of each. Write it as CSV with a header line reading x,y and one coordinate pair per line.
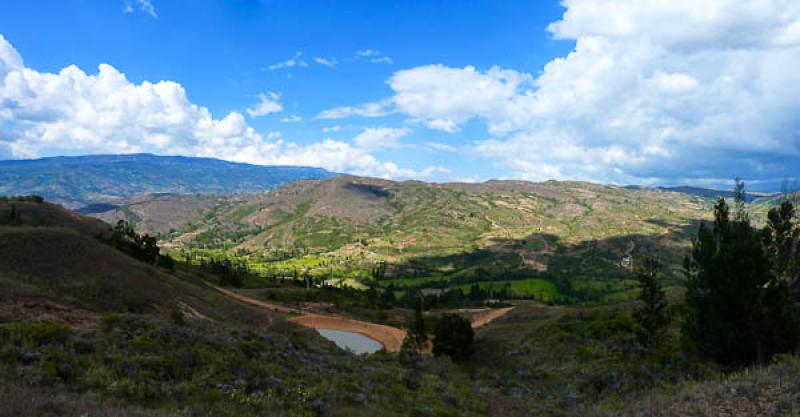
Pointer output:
x,y
432,235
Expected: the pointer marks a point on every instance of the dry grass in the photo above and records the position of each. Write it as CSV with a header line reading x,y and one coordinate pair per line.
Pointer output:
x,y
773,391
28,402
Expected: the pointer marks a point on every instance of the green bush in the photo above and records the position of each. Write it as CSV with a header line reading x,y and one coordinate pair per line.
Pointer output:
x,y
453,337
40,332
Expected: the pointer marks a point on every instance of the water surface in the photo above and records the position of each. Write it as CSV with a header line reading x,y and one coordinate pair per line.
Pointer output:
x,y
358,343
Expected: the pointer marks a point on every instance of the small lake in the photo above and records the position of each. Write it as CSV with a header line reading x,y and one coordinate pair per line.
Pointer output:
x,y
357,343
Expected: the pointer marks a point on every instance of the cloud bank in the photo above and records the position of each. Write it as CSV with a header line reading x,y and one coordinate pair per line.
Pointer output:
x,y
653,92
72,112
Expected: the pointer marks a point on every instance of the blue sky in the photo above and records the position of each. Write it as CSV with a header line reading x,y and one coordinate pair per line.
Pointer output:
x,y
600,90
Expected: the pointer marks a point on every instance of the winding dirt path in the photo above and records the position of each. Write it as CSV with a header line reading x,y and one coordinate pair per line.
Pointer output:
x,y
250,300
482,319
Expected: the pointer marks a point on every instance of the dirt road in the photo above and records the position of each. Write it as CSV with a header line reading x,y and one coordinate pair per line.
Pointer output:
x,y
259,303
484,318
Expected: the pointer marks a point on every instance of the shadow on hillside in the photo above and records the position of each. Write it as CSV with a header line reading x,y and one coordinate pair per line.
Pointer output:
x,y
546,256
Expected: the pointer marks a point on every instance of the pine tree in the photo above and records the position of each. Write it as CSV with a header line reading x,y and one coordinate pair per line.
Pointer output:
x,y
782,240
736,309
418,332
453,337
652,316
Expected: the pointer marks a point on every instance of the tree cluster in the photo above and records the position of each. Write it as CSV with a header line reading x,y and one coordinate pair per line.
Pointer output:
x,y
741,284
141,247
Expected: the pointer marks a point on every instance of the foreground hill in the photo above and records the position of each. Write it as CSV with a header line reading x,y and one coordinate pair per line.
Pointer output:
x,y
425,233
52,258
81,181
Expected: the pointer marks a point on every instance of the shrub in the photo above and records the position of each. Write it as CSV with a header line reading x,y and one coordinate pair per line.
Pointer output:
x,y
453,337
41,332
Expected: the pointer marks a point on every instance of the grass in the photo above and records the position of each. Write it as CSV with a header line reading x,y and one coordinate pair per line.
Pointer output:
x,y
204,369
535,288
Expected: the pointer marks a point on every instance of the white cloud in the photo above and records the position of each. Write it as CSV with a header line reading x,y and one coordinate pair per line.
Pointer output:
x,y
652,91
268,103
440,147
342,157
295,61
378,109
373,56
145,6
447,97
72,112
292,119
328,62
335,128
374,138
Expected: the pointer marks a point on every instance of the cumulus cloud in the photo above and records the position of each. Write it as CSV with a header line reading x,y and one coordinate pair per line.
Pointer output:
x,y
373,138
72,112
267,103
660,91
340,156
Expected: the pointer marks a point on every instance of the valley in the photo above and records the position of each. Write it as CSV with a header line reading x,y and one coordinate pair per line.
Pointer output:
x,y
241,320
515,237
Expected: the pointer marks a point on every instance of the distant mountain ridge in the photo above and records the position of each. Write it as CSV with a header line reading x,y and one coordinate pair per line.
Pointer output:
x,y
704,192
79,181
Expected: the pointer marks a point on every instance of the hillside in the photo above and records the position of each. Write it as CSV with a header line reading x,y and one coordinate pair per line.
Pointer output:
x,y
426,233
86,329
80,181
56,259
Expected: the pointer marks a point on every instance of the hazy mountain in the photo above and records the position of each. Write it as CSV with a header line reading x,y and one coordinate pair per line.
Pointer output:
x,y
705,192
80,181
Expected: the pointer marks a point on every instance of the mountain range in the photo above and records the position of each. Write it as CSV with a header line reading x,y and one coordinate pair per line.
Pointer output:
x,y
98,180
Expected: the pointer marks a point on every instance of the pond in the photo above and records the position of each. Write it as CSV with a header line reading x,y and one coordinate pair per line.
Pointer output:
x,y
357,343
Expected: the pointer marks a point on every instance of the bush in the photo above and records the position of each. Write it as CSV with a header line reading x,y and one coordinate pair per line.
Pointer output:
x,y
41,332
453,337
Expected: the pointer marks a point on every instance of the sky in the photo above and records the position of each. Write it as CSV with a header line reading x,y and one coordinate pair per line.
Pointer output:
x,y
649,92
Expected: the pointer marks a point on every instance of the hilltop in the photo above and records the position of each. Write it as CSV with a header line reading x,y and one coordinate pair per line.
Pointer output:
x,y
99,180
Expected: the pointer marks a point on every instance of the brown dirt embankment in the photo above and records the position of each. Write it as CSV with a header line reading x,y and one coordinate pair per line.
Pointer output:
x,y
390,337
486,317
